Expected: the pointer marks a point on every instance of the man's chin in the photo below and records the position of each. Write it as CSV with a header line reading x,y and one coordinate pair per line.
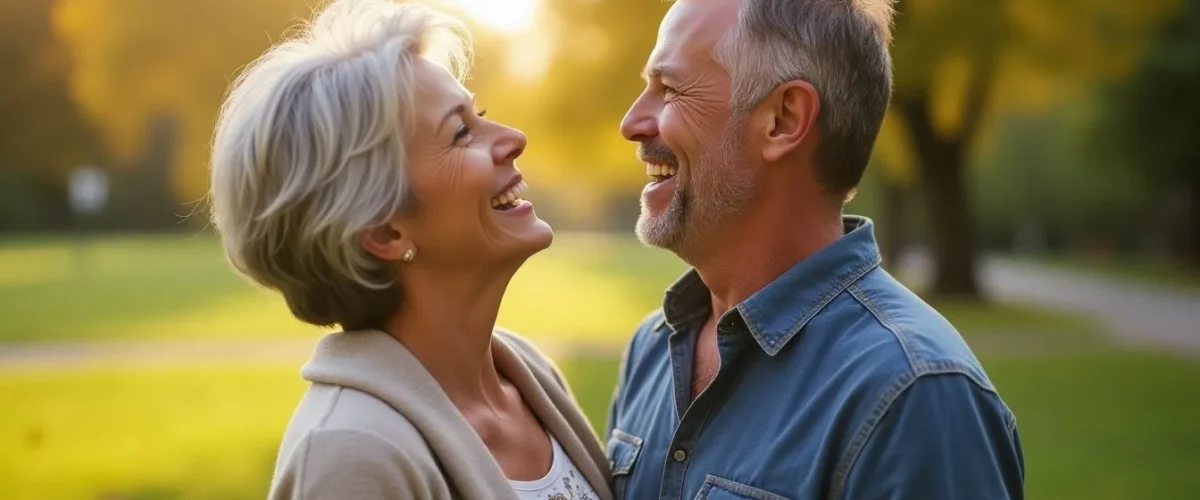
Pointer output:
x,y
657,231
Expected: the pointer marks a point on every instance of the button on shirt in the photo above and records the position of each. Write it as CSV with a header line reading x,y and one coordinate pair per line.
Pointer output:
x,y
835,382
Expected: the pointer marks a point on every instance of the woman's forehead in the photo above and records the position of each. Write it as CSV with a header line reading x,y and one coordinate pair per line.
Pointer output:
x,y
437,92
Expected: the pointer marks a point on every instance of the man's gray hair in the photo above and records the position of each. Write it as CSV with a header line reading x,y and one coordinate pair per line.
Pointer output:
x,y
841,48
309,154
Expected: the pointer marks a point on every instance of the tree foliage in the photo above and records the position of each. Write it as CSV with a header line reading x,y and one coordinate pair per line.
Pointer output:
x,y
958,63
41,130
1149,128
136,61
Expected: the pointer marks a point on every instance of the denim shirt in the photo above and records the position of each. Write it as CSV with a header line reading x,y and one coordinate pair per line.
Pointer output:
x,y
835,382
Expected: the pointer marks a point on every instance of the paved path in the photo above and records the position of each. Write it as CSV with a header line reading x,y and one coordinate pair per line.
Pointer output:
x,y
214,353
1134,313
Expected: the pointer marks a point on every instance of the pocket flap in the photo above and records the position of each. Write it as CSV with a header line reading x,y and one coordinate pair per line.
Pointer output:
x,y
719,488
623,450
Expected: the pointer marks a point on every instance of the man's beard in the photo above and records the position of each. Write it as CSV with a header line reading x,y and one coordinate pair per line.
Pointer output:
x,y
715,187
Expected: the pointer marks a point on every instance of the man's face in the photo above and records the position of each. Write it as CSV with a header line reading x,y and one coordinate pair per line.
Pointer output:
x,y
694,152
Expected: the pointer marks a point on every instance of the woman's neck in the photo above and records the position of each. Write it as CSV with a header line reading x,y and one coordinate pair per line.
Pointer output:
x,y
447,321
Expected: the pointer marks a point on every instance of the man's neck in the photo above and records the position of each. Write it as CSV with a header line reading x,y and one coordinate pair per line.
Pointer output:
x,y
446,321
757,249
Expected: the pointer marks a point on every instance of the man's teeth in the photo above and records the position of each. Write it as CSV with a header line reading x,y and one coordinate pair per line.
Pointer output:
x,y
512,195
655,170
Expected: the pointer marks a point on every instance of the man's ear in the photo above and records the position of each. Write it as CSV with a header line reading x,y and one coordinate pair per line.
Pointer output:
x,y
387,241
791,117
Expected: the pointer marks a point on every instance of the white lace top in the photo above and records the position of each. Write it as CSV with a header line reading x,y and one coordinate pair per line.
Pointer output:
x,y
563,482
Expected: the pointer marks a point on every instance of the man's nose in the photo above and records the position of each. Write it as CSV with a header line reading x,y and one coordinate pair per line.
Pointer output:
x,y
641,121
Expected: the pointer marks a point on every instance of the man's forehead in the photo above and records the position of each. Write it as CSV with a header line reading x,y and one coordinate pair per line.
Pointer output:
x,y
690,29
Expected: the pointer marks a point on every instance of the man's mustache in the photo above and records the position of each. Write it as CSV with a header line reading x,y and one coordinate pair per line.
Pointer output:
x,y
657,152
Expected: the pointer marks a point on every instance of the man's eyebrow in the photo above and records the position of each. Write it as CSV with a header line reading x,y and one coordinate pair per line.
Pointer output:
x,y
457,110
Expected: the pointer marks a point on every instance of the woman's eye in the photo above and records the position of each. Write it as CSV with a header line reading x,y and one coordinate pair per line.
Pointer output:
x,y
463,132
481,112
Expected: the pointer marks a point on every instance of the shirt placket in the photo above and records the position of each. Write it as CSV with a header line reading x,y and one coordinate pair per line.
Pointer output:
x,y
693,417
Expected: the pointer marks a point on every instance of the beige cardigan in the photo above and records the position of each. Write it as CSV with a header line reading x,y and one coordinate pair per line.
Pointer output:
x,y
374,424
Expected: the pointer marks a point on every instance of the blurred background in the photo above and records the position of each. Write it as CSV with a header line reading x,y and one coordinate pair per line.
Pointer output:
x,y
1037,179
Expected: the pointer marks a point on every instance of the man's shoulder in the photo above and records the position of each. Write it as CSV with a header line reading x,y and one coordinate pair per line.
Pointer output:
x,y
898,334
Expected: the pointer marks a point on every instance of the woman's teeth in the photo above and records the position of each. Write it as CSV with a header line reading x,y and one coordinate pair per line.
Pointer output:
x,y
510,197
660,172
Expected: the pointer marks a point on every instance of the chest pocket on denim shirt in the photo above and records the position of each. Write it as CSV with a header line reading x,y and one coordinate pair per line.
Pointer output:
x,y
719,488
623,450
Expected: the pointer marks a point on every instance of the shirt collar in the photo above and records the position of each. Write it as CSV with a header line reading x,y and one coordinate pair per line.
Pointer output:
x,y
777,312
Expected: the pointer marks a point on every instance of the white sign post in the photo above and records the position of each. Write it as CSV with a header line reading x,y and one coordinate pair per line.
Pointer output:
x,y
88,190
88,193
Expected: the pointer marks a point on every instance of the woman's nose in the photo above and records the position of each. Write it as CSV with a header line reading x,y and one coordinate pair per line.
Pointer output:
x,y
509,146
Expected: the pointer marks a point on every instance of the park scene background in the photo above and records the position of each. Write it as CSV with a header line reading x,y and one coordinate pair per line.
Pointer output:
x,y
1037,180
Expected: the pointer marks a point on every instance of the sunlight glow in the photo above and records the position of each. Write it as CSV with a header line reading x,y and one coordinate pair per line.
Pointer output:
x,y
503,15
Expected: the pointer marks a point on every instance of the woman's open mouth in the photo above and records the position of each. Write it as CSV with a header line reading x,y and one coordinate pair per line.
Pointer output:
x,y
510,199
659,172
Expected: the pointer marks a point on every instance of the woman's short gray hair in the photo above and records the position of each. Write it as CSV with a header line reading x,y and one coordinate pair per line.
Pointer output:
x,y
309,154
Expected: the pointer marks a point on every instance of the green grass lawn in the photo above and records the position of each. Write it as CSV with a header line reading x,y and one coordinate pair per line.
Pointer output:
x,y
1095,427
1096,423
179,287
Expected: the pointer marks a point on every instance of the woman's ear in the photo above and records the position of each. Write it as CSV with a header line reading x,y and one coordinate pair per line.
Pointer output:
x,y
388,242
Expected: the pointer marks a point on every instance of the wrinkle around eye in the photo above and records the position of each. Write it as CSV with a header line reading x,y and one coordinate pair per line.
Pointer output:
x,y
698,107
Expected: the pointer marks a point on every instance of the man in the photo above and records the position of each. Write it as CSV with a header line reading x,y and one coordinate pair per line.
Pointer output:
x,y
787,363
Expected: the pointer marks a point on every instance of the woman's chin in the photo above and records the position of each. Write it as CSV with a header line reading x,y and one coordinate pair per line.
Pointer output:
x,y
537,237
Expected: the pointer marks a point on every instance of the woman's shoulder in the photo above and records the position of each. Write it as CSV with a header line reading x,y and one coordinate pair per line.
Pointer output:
x,y
331,462
342,439
527,350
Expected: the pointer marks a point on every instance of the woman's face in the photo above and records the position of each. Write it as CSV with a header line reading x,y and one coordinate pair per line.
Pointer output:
x,y
469,205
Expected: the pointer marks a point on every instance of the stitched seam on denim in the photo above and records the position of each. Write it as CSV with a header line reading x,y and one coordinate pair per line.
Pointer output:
x,y
823,301
886,320
865,432
1010,418
711,481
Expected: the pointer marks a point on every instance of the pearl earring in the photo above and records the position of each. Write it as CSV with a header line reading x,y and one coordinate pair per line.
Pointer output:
x,y
409,255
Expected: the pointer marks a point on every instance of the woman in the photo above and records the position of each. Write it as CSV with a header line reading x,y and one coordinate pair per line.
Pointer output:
x,y
352,174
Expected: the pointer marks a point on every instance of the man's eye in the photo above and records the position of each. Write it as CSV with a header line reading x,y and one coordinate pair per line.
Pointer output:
x,y
670,91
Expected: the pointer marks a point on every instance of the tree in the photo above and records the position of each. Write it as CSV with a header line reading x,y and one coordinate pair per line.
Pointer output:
x,y
958,62
1150,127
142,61
41,130
136,61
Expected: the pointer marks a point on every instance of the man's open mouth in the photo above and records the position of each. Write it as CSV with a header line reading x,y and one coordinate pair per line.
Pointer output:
x,y
659,172
510,199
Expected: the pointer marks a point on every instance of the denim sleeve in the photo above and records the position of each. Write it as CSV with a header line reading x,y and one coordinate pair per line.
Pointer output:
x,y
944,438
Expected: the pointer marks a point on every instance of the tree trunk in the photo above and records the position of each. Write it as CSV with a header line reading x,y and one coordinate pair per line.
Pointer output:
x,y
893,223
948,211
1191,244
